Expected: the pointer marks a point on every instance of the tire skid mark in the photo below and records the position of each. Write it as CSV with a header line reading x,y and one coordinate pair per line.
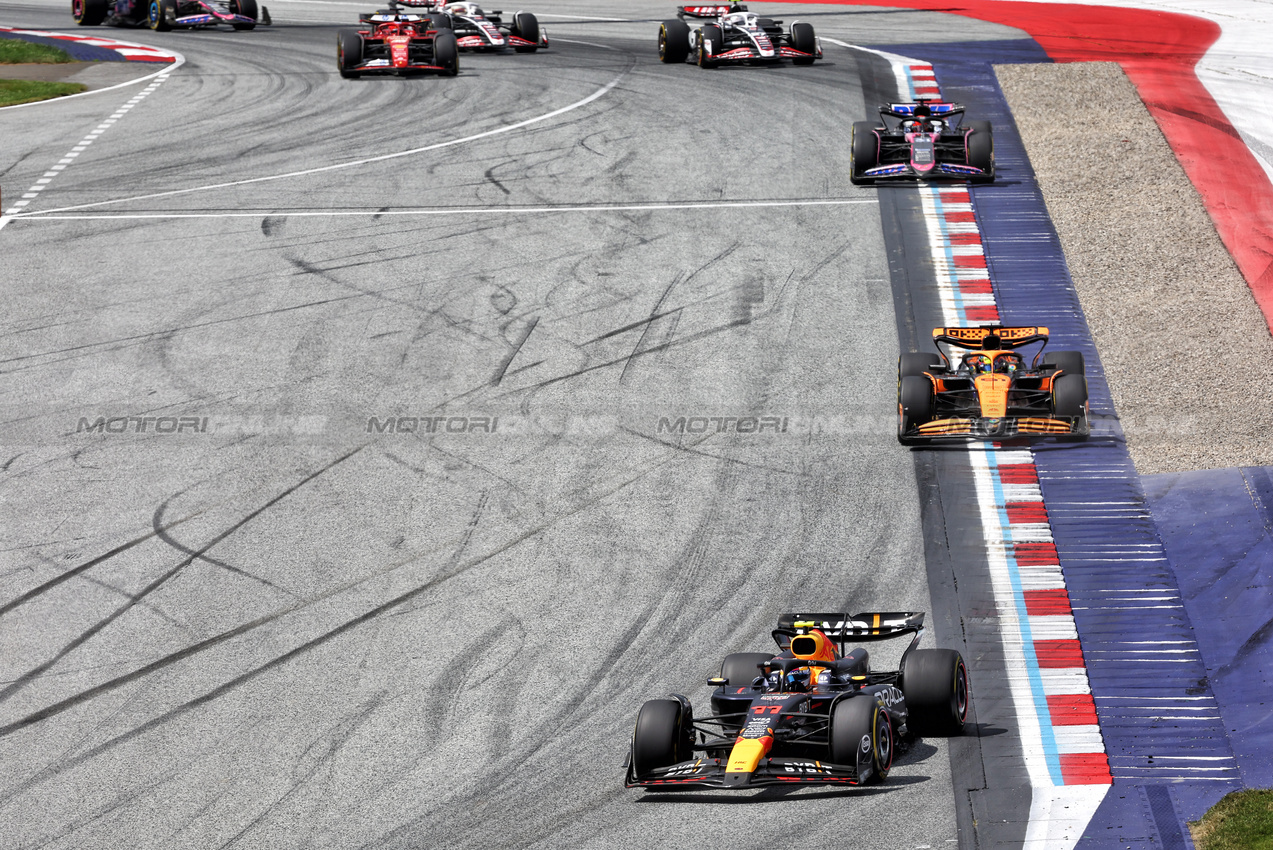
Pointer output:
x,y
89,564
512,355
232,684
84,637
163,535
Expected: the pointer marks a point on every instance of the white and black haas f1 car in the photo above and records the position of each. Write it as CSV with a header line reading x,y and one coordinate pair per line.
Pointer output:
x,y
735,35
477,29
813,713
391,42
164,15
923,140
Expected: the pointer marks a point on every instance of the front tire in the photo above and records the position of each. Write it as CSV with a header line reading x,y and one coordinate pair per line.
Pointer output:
x,y
710,40
864,152
161,14
526,25
915,402
803,39
446,53
980,143
246,8
348,53
674,42
935,682
89,13
1069,396
661,738
862,736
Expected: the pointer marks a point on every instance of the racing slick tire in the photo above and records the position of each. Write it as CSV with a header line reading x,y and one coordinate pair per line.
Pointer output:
x,y
709,36
863,152
348,53
803,39
862,735
1069,396
446,53
89,13
439,21
161,13
1069,362
916,364
981,150
526,25
935,682
915,402
662,736
674,42
246,8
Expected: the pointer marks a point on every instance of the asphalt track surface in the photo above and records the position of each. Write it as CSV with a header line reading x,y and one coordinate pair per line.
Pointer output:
x,y
283,630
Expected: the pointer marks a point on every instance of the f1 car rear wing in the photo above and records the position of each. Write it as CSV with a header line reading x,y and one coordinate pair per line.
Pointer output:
x,y
708,11
990,337
907,110
842,628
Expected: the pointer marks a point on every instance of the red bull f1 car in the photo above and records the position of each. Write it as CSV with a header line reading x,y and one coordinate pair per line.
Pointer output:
x,y
476,29
923,140
812,713
164,15
391,42
734,35
984,389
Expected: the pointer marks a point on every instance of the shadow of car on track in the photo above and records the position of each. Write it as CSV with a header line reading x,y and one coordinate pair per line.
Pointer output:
x,y
781,795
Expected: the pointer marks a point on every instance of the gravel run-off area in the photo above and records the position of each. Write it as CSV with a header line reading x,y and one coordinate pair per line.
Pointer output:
x,y
1186,350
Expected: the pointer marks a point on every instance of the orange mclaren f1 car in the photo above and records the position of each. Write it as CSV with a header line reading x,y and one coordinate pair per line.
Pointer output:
x,y
988,390
813,713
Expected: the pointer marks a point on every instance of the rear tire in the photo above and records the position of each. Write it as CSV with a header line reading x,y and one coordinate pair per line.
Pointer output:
x,y
864,152
89,13
742,668
160,13
674,42
1069,362
526,25
981,150
935,682
247,8
1069,396
803,39
862,736
446,52
348,53
661,737
709,35
916,364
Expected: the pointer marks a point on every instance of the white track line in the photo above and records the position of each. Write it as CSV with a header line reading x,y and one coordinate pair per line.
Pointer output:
x,y
68,159
452,211
601,92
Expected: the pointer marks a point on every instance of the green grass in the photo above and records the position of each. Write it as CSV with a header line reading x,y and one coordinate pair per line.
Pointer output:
x,y
14,51
25,91
1243,820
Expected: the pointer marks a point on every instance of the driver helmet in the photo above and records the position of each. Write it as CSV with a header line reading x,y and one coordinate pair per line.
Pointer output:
x,y
978,364
1007,364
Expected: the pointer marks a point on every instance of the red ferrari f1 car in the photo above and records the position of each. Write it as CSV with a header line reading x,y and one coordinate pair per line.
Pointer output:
x,y
390,42
991,391
814,712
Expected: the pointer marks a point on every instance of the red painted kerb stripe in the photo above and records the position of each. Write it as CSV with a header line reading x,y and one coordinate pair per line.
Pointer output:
x,y
1158,51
